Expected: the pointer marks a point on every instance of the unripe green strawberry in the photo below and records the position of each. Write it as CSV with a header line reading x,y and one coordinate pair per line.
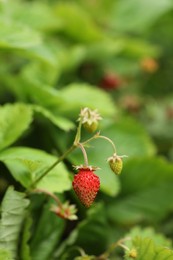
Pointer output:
x,y
91,127
89,119
116,164
86,185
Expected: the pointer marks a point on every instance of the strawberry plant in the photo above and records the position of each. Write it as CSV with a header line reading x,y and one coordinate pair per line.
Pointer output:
x,y
86,123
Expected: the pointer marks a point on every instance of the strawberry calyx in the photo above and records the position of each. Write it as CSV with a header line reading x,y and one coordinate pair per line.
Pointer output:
x,y
86,167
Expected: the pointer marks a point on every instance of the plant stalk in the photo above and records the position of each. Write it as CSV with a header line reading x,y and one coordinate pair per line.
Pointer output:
x,y
84,154
97,135
61,158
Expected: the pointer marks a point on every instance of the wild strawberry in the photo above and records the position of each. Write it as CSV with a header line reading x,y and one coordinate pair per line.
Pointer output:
x,y
116,163
86,185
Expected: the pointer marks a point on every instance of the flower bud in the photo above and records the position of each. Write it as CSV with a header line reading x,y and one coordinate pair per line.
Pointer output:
x,y
89,119
65,211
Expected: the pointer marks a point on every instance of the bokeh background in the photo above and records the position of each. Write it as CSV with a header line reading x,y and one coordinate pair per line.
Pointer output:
x,y
115,56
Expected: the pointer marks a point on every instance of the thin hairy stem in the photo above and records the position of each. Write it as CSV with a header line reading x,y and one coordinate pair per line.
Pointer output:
x,y
84,154
50,195
61,158
96,136
112,247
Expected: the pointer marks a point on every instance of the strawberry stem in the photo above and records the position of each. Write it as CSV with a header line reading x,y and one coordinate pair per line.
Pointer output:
x,y
61,158
97,135
109,140
78,133
112,247
49,194
84,154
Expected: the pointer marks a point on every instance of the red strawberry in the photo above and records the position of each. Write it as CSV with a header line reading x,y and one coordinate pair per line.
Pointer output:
x,y
86,185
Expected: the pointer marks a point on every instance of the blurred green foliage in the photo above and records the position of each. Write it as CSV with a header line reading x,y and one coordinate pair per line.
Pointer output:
x,y
57,57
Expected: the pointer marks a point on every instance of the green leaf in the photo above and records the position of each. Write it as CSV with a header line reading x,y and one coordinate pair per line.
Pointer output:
x,y
148,244
26,42
5,254
43,53
105,51
129,137
146,247
26,164
158,239
59,121
37,15
11,128
71,99
44,95
47,234
17,36
75,20
137,48
77,96
41,73
71,58
146,191
13,209
26,234
138,15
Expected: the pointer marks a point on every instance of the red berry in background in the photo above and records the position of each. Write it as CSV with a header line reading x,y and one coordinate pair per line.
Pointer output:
x,y
86,185
110,81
